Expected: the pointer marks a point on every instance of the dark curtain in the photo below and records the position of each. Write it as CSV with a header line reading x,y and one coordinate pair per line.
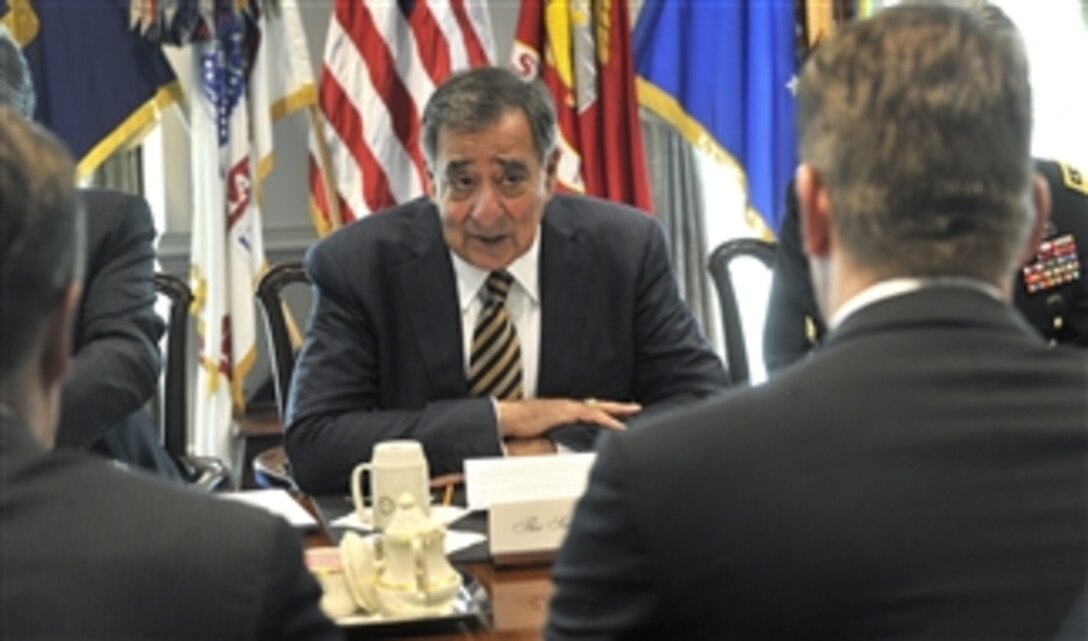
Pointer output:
x,y
678,204
122,171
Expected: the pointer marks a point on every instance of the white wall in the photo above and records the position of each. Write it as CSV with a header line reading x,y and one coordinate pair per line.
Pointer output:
x,y
1055,33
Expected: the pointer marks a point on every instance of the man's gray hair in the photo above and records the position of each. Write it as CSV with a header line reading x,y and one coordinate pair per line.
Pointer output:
x,y
16,83
918,121
471,100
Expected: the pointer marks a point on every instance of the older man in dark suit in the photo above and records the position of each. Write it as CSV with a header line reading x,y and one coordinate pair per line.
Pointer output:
x,y
572,296
925,475
89,551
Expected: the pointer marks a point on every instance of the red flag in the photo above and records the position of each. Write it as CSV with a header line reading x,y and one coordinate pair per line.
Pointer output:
x,y
582,53
382,61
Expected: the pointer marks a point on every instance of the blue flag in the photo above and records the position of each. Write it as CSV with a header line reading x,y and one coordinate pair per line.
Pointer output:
x,y
99,83
722,73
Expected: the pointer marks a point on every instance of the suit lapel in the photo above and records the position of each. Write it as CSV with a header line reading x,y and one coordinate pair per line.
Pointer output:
x,y
427,284
565,286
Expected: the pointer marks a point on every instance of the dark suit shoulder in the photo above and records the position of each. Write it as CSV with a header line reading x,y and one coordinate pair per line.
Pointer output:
x,y
106,207
199,567
86,492
607,231
114,218
410,228
131,499
596,214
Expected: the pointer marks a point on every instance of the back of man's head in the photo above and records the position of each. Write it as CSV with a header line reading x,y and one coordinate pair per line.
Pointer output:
x,y
16,83
40,234
918,122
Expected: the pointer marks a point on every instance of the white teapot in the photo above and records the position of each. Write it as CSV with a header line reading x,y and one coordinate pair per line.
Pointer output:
x,y
404,572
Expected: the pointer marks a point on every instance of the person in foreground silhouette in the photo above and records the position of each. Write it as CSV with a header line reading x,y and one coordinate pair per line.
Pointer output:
x,y
88,551
923,475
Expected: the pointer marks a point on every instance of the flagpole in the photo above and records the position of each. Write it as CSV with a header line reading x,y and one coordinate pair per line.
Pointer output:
x,y
332,198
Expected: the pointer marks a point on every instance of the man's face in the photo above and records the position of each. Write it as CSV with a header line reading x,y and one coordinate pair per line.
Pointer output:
x,y
491,190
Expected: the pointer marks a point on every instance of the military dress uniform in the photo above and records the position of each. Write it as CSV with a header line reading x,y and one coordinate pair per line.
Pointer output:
x,y
1051,290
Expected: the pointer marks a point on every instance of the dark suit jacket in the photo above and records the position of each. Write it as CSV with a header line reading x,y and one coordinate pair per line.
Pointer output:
x,y
1075,627
117,363
794,323
91,552
924,476
383,355
1060,313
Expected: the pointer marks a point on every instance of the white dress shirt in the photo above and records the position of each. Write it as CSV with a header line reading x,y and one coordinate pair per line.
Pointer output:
x,y
522,304
899,286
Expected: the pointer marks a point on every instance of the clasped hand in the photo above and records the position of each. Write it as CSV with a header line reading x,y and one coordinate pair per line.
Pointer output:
x,y
534,417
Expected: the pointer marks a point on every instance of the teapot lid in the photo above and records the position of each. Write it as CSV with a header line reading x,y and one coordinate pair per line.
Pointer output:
x,y
409,520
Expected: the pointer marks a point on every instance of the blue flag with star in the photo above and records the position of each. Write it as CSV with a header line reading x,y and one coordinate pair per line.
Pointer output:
x,y
99,83
722,73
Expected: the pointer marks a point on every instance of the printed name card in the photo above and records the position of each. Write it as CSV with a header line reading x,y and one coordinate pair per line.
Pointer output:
x,y
529,527
531,500
525,478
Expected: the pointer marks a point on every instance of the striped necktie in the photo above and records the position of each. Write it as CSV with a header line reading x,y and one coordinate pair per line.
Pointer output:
x,y
495,362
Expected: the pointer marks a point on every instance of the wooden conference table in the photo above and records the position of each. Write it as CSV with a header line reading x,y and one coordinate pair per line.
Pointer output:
x,y
517,596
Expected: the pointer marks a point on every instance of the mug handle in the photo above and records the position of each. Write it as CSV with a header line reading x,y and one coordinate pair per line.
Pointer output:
x,y
357,497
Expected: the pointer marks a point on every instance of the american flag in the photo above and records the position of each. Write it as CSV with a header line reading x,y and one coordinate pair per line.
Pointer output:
x,y
382,61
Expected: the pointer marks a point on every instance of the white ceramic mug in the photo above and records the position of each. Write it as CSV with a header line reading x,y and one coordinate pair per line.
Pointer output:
x,y
395,467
